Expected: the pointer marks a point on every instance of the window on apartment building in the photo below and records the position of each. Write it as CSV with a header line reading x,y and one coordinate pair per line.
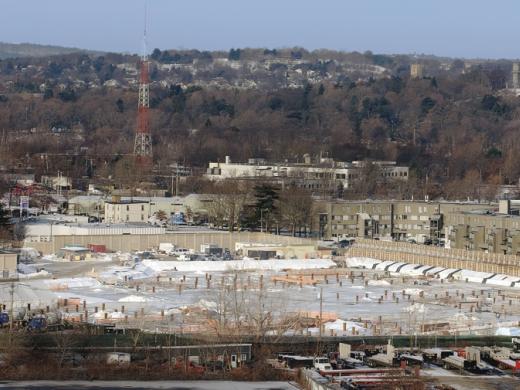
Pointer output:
x,y
127,217
142,217
127,208
406,174
142,207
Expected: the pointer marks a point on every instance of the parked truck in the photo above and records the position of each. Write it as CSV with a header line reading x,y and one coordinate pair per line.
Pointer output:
x,y
458,362
41,322
4,319
322,363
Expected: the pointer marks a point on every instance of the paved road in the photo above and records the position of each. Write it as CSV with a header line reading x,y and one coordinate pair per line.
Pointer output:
x,y
72,269
480,382
138,385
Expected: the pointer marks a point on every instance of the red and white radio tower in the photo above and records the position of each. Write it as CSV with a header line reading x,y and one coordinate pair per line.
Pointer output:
x,y
143,136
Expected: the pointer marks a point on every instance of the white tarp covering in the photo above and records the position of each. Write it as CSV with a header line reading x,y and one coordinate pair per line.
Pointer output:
x,y
441,273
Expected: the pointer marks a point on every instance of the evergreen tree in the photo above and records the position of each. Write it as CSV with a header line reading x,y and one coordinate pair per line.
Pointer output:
x,y
265,206
5,223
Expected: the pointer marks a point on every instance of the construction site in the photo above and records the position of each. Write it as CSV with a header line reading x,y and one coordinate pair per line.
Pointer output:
x,y
420,297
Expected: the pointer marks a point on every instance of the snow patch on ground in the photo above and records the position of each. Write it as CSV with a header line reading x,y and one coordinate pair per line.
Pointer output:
x,y
246,264
378,283
66,283
515,332
133,298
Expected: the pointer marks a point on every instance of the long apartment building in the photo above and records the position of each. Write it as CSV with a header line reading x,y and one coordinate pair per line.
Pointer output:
x,y
489,231
325,173
398,220
482,227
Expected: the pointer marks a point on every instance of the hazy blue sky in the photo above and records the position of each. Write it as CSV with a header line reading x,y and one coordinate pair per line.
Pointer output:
x,y
464,28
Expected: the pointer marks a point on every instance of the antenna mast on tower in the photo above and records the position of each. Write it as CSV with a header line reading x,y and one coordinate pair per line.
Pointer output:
x,y
143,137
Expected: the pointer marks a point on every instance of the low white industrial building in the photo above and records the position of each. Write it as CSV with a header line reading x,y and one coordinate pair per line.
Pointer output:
x,y
325,173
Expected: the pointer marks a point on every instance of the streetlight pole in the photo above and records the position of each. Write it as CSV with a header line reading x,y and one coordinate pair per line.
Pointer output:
x,y
262,220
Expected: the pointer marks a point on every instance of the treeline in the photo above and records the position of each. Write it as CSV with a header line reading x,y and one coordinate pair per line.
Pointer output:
x,y
456,132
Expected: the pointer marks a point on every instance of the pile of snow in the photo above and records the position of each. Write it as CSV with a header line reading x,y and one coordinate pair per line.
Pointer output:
x,y
72,283
116,315
378,283
133,298
338,325
415,308
208,305
413,291
105,257
117,273
515,332
337,328
245,264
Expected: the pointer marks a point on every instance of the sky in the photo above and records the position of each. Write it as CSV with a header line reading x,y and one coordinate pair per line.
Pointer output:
x,y
454,28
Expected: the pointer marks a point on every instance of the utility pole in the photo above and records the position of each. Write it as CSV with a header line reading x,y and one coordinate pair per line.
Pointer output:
x,y
11,309
321,309
177,180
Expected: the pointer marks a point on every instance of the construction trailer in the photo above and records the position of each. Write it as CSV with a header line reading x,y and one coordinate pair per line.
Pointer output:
x,y
74,253
230,355
8,263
